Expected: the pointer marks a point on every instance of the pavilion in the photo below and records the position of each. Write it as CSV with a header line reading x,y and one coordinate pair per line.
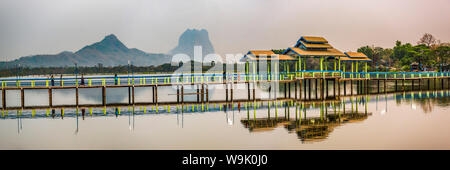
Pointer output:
x,y
257,56
307,47
314,47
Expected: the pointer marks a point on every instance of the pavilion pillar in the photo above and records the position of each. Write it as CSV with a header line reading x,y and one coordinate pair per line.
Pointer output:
x,y
352,70
357,70
321,65
367,74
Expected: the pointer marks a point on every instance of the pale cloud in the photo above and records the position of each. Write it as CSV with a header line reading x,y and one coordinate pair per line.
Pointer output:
x,y
234,26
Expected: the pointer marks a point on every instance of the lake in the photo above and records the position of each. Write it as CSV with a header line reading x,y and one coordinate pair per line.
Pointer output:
x,y
409,120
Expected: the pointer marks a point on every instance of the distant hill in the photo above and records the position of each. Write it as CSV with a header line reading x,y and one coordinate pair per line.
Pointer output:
x,y
191,38
109,52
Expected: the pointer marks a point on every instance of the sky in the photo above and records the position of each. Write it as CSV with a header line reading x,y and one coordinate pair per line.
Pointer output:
x,y
234,26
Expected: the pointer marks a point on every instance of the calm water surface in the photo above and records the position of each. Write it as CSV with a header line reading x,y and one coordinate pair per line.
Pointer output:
x,y
418,120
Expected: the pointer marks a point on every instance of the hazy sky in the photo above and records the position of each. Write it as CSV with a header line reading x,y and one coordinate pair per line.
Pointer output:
x,y
30,27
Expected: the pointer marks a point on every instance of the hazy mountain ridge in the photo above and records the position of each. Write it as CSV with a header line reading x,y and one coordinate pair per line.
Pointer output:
x,y
110,52
191,38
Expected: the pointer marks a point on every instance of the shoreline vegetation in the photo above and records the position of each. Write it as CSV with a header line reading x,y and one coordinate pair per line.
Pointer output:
x,y
431,54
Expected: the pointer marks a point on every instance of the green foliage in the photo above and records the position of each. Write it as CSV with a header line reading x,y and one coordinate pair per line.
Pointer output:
x,y
278,51
401,56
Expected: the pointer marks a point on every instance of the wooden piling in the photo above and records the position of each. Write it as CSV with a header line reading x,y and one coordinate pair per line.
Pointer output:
x,y
104,95
295,89
76,96
231,91
50,96
351,87
289,90
412,84
339,87
254,91
248,90
309,89
300,89
198,94
203,95
182,95
22,97
4,98
395,85
378,86
129,95
345,87
403,85
226,92
316,84
153,93
156,94
420,84
178,94
207,93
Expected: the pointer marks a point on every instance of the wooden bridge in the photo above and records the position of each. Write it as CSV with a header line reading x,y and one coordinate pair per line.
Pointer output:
x,y
295,85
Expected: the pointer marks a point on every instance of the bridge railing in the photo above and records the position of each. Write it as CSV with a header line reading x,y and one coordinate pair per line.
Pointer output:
x,y
203,77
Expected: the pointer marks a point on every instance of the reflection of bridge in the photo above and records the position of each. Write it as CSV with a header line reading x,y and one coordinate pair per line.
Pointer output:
x,y
307,128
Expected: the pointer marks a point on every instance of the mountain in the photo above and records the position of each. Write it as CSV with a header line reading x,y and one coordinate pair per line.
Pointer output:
x,y
110,52
191,38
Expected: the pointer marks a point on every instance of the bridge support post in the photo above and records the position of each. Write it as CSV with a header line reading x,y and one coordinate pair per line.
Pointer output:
x,y
254,91
207,93
198,93
22,97
76,96
104,95
351,87
248,90
155,98
295,89
182,94
378,86
403,85
178,94
129,95
395,85
345,87
420,84
226,91
4,98
50,97
309,89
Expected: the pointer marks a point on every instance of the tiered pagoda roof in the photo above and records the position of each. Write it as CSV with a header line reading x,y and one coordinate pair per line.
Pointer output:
x,y
355,56
309,46
255,55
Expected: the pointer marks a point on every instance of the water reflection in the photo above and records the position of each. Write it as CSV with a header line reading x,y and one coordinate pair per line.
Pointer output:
x,y
310,121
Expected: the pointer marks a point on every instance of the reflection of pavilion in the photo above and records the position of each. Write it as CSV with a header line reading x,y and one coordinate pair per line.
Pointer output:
x,y
310,129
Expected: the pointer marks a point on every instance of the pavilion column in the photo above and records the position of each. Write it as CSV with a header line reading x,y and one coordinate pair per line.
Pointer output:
x,y
352,70
300,65
357,70
254,70
367,74
321,65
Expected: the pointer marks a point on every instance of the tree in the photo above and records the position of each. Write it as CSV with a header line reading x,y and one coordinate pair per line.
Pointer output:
x,y
442,54
427,39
